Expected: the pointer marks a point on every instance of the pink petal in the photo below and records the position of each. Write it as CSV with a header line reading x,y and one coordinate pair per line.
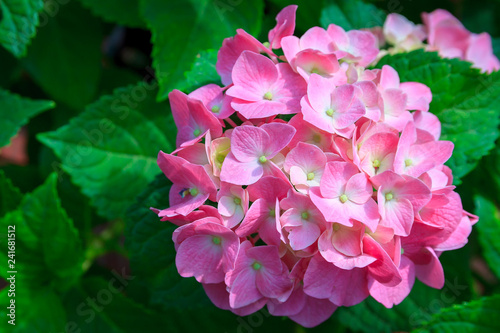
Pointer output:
x,y
394,295
200,257
285,25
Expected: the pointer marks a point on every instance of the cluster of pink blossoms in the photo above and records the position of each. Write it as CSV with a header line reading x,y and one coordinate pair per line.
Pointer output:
x,y
309,182
444,33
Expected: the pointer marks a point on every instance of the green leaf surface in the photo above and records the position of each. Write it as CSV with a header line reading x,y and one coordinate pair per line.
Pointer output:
x,y
351,14
489,231
47,248
466,102
99,305
475,316
124,12
181,28
36,311
10,196
202,72
15,111
18,24
110,149
65,58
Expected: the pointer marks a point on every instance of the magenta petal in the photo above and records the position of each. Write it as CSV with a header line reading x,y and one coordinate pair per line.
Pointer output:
x,y
248,143
293,305
285,25
314,312
394,295
243,290
198,256
240,173
218,294
383,269
431,273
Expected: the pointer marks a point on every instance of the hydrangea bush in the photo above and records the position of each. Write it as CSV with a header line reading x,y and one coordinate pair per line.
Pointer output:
x,y
319,165
310,180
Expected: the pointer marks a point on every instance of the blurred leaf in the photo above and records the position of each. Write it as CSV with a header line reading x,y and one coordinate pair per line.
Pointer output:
x,y
202,72
65,57
182,28
124,12
48,250
466,102
9,67
36,311
489,231
10,196
475,316
15,112
351,14
99,306
110,149
18,24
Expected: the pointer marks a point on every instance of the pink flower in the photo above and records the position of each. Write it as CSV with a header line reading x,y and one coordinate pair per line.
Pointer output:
x,y
399,198
232,204
252,149
355,46
448,36
402,33
258,273
345,194
191,185
214,100
308,133
285,26
332,109
312,53
323,280
262,88
414,158
303,309
302,220
305,163
264,213
192,119
206,250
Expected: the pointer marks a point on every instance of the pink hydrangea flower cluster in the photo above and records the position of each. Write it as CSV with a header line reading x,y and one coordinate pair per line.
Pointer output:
x,y
444,33
308,182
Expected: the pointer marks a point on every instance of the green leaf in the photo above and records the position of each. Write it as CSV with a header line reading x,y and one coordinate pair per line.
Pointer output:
x,y
202,72
15,112
351,14
48,250
98,305
124,12
466,102
10,196
475,316
110,149
18,24
489,231
181,28
36,311
65,58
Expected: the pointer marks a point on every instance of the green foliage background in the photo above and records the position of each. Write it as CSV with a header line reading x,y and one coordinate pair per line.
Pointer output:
x,y
90,255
